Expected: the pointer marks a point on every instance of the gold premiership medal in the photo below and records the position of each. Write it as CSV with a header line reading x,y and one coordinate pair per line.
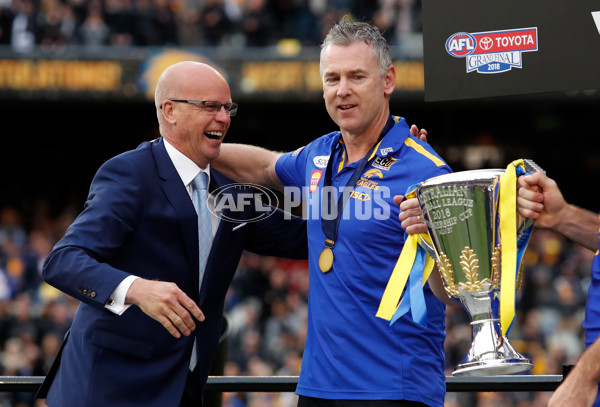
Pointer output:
x,y
326,259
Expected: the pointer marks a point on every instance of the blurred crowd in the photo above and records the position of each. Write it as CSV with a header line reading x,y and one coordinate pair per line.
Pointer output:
x,y
56,24
267,303
266,312
33,315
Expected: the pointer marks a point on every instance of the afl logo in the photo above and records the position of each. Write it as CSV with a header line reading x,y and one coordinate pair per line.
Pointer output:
x,y
234,198
460,45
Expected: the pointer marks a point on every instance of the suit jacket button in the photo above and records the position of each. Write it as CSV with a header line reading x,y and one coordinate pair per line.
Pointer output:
x,y
93,294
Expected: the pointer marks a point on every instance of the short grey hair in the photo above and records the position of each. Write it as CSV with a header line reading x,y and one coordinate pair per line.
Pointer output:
x,y
346,32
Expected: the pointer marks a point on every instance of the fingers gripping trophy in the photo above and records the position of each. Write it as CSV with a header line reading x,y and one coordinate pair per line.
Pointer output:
x,y
477,241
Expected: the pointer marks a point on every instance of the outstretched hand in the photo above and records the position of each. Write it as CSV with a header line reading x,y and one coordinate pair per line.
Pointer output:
x,y
166,303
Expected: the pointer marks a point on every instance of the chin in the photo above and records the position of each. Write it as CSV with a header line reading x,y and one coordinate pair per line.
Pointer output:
x,y
215,154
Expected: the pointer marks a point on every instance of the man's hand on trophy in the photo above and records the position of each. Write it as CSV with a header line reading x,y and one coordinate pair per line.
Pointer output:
x,y
420,134
410,216
539,198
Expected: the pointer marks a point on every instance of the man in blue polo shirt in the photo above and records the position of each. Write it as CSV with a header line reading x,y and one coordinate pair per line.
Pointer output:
x,y
348,180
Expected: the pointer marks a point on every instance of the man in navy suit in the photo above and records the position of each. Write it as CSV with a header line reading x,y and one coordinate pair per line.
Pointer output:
x,y
131,257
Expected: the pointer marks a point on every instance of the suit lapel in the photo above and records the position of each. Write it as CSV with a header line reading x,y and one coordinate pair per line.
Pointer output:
x,y
179,199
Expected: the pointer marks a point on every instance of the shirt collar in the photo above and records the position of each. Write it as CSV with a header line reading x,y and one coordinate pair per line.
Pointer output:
x,y
185,167
387,143
394,138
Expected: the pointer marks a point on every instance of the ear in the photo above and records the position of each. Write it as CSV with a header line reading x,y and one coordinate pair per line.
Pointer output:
x,y
390,81
168,111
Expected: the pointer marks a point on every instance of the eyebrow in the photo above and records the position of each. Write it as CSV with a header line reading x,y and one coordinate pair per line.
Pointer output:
x,y
351,72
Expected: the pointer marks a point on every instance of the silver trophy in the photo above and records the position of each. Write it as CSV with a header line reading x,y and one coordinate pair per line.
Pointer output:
x,y
460,210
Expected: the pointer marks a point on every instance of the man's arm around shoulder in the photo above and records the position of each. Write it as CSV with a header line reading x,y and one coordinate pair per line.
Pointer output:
x,y
249,164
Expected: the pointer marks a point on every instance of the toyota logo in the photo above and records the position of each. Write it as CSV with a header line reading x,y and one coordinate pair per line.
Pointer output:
x,y
486,43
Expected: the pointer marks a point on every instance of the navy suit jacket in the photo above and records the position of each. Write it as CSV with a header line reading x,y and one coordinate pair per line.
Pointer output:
x,y
139,220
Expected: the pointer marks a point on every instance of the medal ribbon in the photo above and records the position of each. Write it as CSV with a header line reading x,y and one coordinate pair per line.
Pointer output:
x,y
330,226
512,249
415,266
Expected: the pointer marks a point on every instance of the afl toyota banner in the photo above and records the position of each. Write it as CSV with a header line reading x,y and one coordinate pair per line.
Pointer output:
x,y
510,47
492,51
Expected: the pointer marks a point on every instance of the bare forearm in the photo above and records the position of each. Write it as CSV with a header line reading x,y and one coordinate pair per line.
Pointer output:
x,y
589,362
249,164
580,387
539,198
580,225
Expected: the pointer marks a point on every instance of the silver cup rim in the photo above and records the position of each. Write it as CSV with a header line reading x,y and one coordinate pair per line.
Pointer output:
x,y
465,176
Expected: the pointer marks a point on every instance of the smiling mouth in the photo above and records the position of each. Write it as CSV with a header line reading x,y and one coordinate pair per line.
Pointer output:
x,y
214,135
346,107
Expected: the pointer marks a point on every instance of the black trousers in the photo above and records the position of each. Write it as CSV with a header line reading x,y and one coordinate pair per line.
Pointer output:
x,y
304,401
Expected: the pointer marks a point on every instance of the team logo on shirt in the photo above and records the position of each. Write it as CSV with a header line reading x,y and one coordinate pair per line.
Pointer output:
x,y
367,183
373,172
321,161
384,163
314,180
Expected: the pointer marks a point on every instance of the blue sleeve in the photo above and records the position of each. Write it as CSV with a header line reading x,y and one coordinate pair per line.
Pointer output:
x,y
430,164
291,167
80,258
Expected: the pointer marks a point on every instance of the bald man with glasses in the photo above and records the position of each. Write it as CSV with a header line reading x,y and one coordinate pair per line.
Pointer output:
x,y
150,259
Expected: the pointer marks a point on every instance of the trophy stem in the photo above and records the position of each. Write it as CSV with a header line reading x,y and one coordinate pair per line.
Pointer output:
x,y
490,353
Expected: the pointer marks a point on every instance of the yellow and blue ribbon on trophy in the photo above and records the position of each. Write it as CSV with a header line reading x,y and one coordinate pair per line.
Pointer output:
x,y
415,264
512,248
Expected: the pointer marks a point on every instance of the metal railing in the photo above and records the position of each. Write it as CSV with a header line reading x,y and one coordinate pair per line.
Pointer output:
x,y
249,384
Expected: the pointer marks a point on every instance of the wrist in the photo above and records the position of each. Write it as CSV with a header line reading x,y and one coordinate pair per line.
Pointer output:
x,y
564,219
133,292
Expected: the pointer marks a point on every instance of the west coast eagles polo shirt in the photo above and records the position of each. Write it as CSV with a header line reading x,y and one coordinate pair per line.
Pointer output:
x,y
350,353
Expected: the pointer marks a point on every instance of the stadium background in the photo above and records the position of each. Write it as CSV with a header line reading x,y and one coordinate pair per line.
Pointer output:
x,y
58,130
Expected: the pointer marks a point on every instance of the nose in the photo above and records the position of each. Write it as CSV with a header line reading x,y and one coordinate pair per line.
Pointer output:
x,y
343,88
222,115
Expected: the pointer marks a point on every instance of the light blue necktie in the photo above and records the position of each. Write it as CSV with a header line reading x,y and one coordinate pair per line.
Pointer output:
x,y
205,236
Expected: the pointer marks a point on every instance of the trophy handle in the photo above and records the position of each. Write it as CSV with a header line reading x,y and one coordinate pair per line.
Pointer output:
x,y
429,248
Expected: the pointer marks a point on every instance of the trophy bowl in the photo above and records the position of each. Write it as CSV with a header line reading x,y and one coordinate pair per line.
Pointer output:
x,y
461,214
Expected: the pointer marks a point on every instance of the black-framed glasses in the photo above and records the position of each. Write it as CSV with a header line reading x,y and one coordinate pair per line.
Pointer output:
x,y
211,106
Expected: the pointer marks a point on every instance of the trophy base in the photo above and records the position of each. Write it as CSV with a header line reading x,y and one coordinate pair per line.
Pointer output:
x,y
495,358
492,368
